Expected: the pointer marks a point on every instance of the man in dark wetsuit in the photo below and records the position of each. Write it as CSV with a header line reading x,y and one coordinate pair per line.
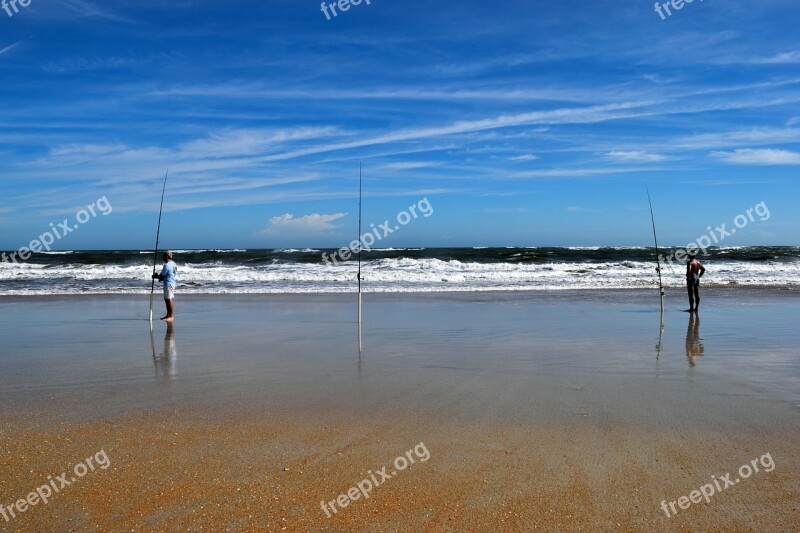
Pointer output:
x,y
694,271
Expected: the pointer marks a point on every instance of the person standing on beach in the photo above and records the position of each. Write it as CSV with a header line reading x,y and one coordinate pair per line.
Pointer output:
x,y
694,271
167,275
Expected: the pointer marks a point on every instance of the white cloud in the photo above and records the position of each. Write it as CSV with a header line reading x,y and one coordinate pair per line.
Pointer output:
x,y
636,156
585,115
782,58
9,47
575,172
316,223
505,210
245,142
83,8
92,150
759,157
728,139
525,157
411,165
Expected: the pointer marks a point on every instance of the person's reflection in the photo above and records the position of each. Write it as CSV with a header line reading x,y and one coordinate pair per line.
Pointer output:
x,y
694,344
166,362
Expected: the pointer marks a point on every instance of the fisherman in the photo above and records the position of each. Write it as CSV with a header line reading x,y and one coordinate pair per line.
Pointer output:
x,y
167,275
694,271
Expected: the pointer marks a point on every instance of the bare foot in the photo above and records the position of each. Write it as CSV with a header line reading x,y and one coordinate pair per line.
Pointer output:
x,y
169,318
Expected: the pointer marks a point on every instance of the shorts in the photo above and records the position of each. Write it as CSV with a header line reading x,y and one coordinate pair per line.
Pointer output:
x,y
169,292
693,282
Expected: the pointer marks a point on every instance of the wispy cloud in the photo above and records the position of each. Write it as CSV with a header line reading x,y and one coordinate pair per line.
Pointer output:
x,y
580,115
505,210
90,150
238,91
9,47
636,156
524,157
83,8
239,142
759,157
576,172
780,59
74,65
725,139
411,165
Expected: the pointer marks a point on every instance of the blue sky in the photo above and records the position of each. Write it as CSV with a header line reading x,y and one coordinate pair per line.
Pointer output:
x,y
523,122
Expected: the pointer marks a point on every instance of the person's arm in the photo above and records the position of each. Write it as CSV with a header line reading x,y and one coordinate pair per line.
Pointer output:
x,y
702,269
162,275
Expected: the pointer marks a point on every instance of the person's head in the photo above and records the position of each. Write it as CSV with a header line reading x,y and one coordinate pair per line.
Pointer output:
x,y
167,256
692,257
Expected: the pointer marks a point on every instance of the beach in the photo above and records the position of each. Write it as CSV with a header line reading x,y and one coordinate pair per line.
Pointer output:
x,y
199,196
549,410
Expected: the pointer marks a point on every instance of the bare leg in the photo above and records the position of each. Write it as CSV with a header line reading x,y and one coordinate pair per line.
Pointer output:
x,y
696,297
691,298
170,310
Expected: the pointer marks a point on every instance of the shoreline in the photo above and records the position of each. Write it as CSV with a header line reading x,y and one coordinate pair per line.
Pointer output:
x,y
570,294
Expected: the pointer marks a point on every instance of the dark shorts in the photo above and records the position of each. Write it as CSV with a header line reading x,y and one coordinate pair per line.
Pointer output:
x,y
693,282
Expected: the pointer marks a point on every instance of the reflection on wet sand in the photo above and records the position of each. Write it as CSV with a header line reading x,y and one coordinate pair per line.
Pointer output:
x,y
659,344
166,362
694,344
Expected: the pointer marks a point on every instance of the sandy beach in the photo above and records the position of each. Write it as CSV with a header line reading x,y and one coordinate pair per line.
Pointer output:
x,y
549,411
521,192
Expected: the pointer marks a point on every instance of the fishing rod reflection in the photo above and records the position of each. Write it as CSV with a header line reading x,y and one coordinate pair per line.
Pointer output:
x,y
694,344
166,361
660,343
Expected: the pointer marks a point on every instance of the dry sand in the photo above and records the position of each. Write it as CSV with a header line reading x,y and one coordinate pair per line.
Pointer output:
x,y
183,471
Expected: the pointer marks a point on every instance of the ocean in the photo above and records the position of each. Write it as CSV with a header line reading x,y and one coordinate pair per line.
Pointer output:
x,y
395,270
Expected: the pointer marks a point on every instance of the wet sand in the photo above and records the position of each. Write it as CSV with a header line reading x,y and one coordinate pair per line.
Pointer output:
x,y
540,411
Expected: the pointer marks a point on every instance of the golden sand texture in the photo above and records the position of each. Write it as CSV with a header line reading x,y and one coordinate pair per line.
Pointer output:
x,y
189,471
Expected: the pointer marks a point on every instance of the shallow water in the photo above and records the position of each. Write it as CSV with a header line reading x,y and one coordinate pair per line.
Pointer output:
x,y
514,357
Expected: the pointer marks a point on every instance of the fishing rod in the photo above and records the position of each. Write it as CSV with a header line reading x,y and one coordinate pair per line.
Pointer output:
x,y
155,253
359,258
658,257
